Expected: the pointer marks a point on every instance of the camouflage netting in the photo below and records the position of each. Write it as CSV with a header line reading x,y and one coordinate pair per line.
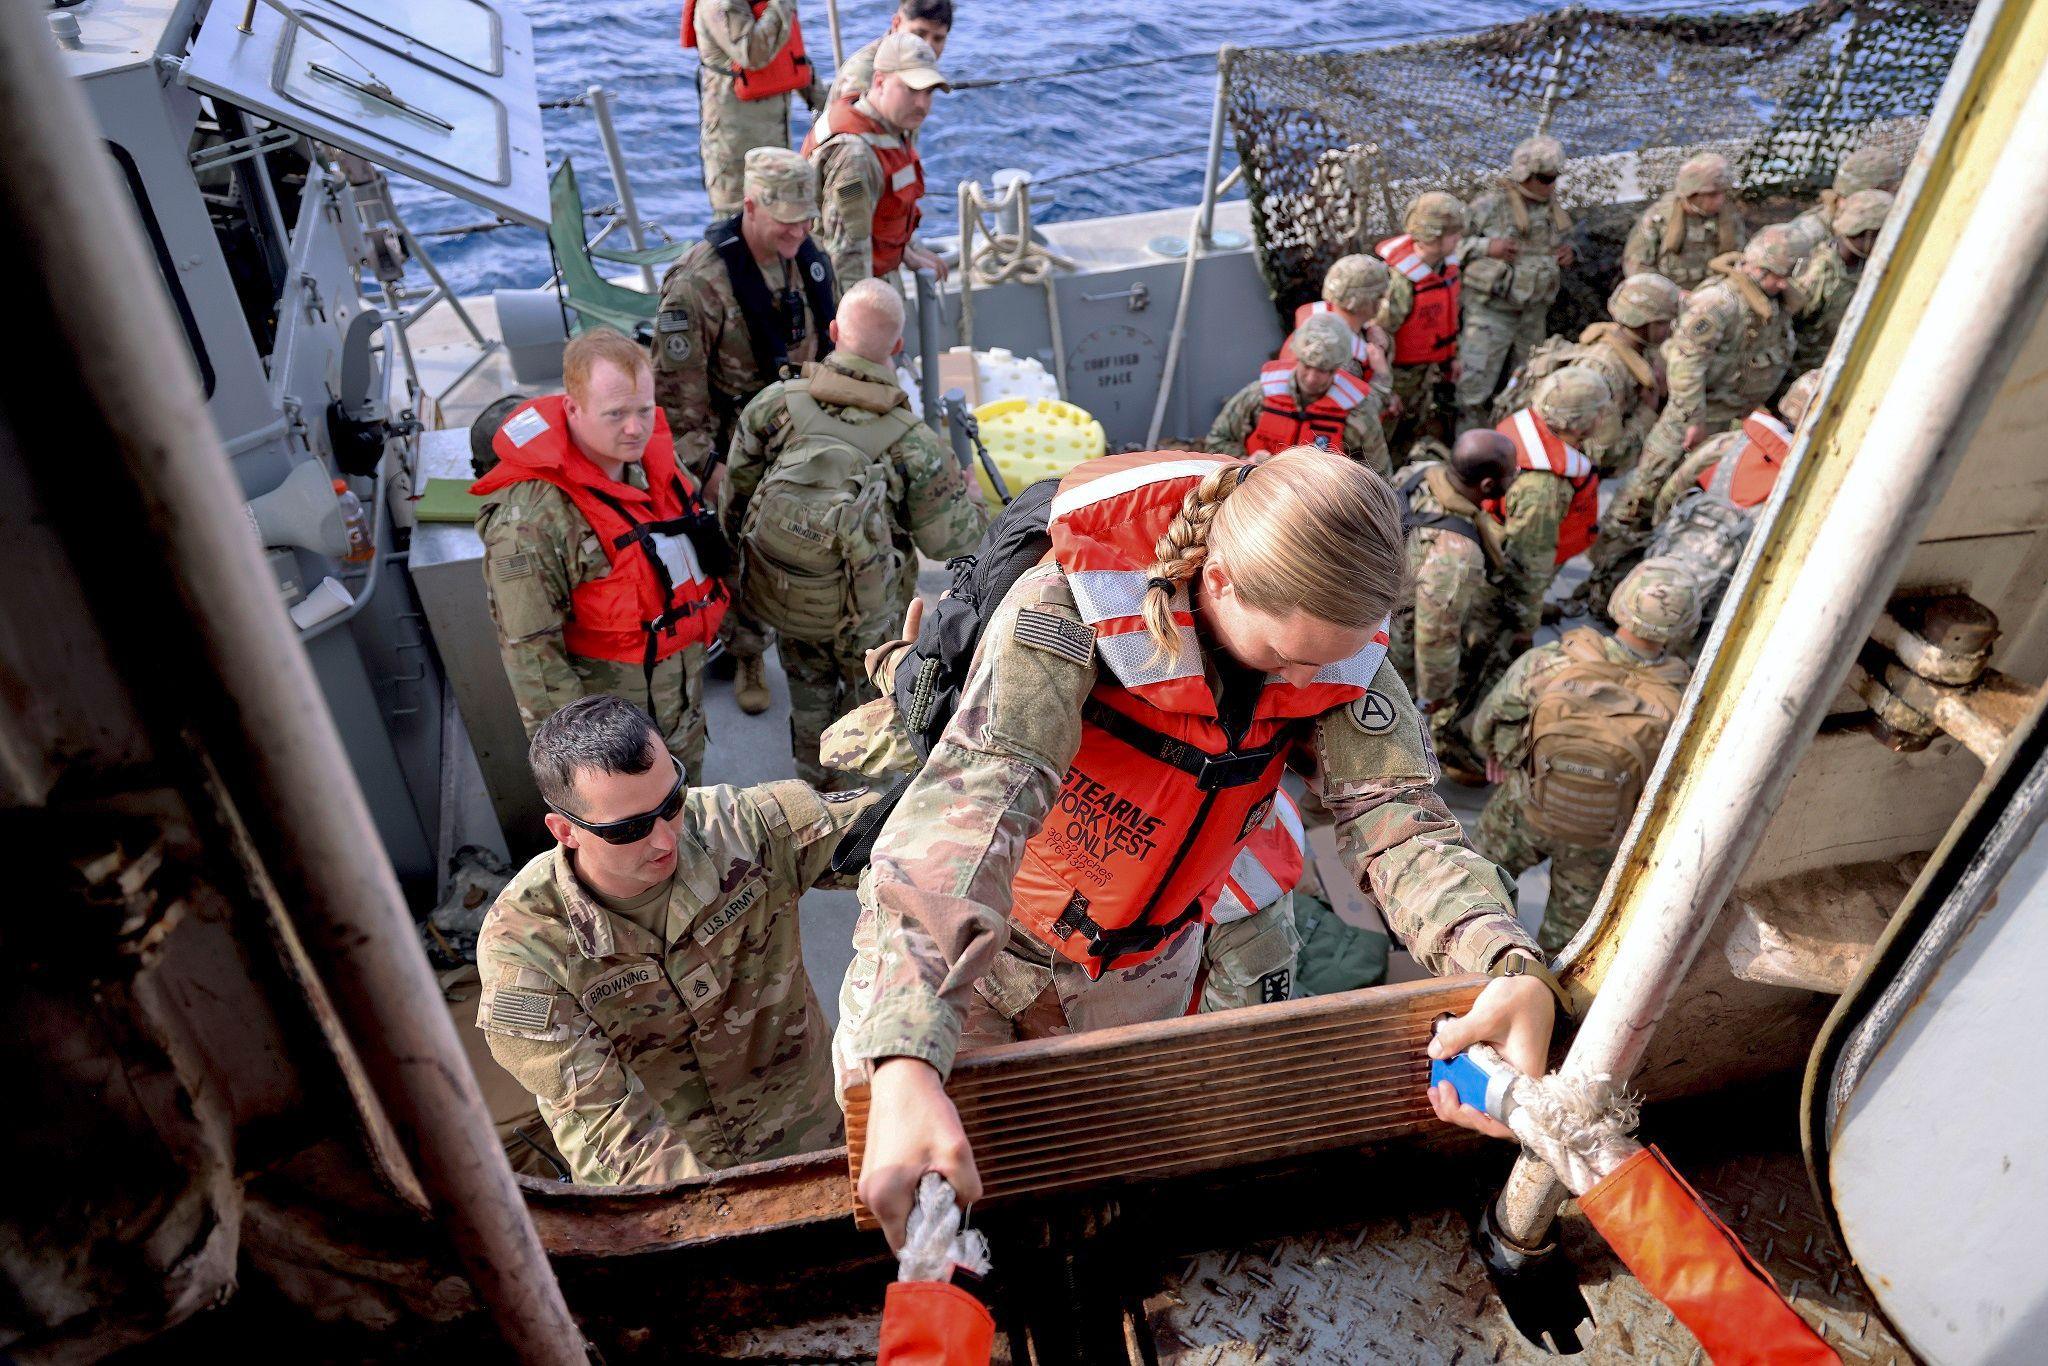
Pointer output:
x,y
1334,145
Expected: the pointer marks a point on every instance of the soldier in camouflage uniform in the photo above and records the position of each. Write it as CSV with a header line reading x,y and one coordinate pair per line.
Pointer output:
x,y
1514,254
931,20
1453,542
930,508
651,994
1793,407
1866,168
1281,409
1728,354
1428,245
1657,610
1625,352
708,362
940,964
1354,288
1828,280
852,186
1679,234
732,38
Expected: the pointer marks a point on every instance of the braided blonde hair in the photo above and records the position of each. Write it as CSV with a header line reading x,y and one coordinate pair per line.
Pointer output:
x,y
1314,532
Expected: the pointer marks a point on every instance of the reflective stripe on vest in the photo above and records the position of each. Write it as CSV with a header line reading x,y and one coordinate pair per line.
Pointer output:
x,y
1430,334
1158,800
1361,349
656,600
789,69
1755,463
897,212
1283,422
1540,449
1267,868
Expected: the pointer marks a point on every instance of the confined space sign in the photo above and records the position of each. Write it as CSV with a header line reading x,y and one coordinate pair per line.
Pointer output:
x,y
1115,370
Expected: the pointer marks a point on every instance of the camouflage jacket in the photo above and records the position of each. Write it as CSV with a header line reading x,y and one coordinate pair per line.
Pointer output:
x,y
655,1056
1826,284
1364,440
1727,354
938,887
850,184
934,508
1500,727
704,368
1631,375
1697,462
852,80
537,548
731,38
1531,280
1450,578
1535,507
1704,240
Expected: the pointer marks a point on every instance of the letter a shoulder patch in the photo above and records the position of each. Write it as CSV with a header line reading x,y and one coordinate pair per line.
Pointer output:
x,y
1055,634
1373,713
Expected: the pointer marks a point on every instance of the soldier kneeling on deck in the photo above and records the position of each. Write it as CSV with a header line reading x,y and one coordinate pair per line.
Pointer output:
x,y
644,979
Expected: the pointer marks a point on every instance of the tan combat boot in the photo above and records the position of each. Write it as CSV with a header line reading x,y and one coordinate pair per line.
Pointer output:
x,y
751,689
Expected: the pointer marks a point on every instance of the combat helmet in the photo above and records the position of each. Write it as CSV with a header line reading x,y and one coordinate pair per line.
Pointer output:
x,y
1643,299
1538,155
1659,601
1572,399
1862,212
1868,168
1434,214
1705,173
1777,249
1322,342
1799,397
1356,283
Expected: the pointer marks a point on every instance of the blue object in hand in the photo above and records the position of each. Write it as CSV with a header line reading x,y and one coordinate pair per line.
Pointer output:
x,y
1481,1084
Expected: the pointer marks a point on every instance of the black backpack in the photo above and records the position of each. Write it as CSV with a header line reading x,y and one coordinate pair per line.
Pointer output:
x,y
932,672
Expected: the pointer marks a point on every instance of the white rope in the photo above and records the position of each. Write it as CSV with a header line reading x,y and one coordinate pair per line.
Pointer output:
x,y
1578,1126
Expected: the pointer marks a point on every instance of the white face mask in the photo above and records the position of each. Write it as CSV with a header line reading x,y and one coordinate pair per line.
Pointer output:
x,y
679,557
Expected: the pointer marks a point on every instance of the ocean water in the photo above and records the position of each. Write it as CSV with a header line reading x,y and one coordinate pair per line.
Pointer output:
x,y
1055,128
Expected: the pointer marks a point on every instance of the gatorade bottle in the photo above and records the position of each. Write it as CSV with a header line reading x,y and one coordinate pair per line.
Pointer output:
x,y
356,520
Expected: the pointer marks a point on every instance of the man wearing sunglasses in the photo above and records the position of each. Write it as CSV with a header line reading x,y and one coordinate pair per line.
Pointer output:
x,y
1513,254
645,979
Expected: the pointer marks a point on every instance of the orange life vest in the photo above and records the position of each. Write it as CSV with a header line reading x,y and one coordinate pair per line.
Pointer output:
x,y
1759,457
897,212
1267,868
1283,422
648,607
1370,360
1430,335
789,69
1539,448
1160,797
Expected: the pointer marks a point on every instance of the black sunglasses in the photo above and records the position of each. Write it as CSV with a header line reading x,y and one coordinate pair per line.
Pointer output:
x,y
1545,178
632,829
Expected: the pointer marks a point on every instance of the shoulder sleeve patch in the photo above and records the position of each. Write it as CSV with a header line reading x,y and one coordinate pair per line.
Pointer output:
x,y
1056,635
517,1008
1373,713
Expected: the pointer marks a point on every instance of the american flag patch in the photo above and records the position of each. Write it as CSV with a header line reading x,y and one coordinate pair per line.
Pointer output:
x,y
513,1008
1055,634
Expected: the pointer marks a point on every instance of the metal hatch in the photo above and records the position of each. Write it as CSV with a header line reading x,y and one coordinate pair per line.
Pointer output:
x,y
442,92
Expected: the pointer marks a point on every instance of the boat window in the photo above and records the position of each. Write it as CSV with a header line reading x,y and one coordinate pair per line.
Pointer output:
x,y
174,288
443,93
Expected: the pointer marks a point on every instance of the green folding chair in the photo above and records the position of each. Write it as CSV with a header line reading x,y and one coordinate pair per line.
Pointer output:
x,y
589,299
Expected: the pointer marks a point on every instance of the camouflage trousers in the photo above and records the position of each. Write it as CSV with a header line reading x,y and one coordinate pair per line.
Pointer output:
x,y
1415,386
729,127
744,637
1029,993
1251,962
1503,836
674,697
826,681
1494,341
1444,731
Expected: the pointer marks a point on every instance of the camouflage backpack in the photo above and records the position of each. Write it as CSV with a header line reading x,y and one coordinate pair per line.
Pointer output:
x,y
1550,356
1707,531
1594,735
817,547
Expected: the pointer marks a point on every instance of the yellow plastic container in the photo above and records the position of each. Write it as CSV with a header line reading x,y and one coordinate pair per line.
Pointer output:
x,y
1036,438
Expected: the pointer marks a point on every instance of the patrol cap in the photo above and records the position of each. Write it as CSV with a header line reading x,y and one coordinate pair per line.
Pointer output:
x,y
1538,155
1356,283
1868,168
1705,173
783,183
1862,212
1573,398
904,54
1434,214
1792,407
1659,601
1778,249
1643,299
1322,342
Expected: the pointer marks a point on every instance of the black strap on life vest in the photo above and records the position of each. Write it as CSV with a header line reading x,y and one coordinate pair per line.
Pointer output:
x,y
701,529
773,326
1211,772
1408,484
1106,946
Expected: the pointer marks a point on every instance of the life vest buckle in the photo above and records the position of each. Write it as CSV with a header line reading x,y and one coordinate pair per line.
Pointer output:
x,y
1231,769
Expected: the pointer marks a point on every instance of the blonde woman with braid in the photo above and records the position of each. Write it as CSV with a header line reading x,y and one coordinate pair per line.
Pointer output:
x,y
1200,624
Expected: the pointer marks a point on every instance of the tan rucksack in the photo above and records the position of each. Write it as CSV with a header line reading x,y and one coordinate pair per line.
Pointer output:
x,y
1551,355
1594,735
817,543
